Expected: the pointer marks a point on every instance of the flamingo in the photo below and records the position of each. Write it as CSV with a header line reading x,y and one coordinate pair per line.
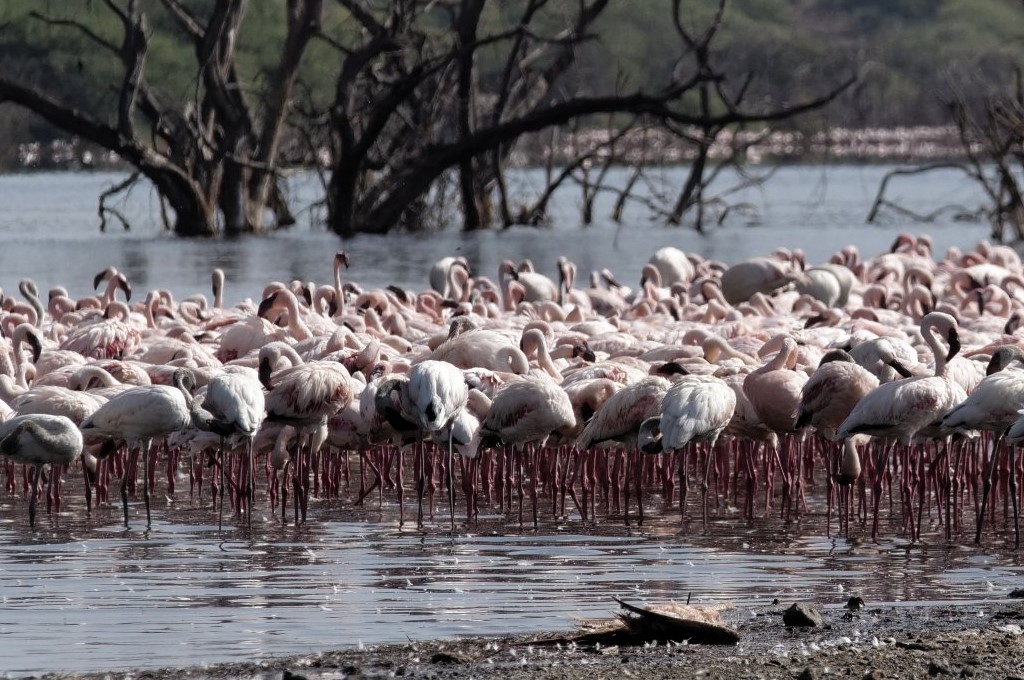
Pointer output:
x,y
305,396
827,398
110,338
774,391
673,265
235,400
695,408
756,275
441,273
832,391
436,393
527,412
37,440
140,414
60,401
620,417
536,287
899,410
994,406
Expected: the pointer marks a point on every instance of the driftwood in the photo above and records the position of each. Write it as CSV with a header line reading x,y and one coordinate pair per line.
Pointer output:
x,y
657,623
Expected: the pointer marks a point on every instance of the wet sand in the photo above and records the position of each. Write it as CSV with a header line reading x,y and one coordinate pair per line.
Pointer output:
x,y
982,641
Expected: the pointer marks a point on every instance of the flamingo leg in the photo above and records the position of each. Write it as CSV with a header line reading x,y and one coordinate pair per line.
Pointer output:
x,y
88,489
876,487
220,500
421,481
250,479
145,477
37,470
987,486
1013,496
451,477
128,469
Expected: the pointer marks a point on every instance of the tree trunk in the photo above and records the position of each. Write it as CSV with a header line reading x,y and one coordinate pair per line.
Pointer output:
x,y
341,200
193,214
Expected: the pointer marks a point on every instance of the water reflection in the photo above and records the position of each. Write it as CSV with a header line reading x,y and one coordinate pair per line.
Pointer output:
x,y
50,218
339,581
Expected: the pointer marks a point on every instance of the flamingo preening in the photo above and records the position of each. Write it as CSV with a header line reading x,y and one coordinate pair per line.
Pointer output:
x,y
696,408
39,440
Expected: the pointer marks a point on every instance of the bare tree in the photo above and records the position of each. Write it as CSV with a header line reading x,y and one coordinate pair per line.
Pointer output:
x,y
397,130
212,157
991,133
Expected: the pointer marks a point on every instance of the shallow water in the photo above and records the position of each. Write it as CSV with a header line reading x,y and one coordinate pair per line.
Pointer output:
x,y
86,594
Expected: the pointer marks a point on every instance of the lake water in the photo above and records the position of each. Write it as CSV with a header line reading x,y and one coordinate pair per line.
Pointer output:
x,y
85,594
51,233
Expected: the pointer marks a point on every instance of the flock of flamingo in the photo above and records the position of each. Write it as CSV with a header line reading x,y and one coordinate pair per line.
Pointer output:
x,y
895,375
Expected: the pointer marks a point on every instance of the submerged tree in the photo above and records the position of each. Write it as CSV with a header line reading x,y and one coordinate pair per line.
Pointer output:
x,y
991,134
427,88
427,99
211,154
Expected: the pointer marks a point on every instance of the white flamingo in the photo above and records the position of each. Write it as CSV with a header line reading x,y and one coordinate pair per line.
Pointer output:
x,y
437,393
994,406
696,408
38,440
139,414
235,400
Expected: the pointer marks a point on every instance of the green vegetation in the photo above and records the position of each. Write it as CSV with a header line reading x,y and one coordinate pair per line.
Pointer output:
x,y
920,51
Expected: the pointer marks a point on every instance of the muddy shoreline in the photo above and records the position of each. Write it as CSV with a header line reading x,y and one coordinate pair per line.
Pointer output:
x,y
977,640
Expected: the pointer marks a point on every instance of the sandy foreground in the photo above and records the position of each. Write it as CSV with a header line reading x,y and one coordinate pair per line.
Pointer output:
x,y
955,641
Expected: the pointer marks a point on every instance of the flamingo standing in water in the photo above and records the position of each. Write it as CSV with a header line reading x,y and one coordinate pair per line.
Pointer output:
x,y
437,393
900,409
38,440
827,398
696,408
235,400
140,414
619,419
994,406
526,412
774,391
305,396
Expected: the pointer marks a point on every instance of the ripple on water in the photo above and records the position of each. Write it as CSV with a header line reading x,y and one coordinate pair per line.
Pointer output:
x,y
86,594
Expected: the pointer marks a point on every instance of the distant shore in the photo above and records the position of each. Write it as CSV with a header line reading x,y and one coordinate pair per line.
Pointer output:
x,y
915,144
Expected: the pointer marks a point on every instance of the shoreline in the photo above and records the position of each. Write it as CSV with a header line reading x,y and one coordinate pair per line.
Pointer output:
x,y
874,642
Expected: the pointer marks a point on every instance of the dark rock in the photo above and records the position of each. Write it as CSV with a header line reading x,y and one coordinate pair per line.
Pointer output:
x,y
916,645
288,675
444,657
854,603
1017,593
874,674
806,674
800,614
939,668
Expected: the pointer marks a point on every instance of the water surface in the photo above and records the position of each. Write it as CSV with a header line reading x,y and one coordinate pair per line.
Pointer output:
x,y
85,594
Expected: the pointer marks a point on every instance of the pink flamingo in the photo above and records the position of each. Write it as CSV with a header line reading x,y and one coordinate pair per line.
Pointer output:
x,y
899,410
